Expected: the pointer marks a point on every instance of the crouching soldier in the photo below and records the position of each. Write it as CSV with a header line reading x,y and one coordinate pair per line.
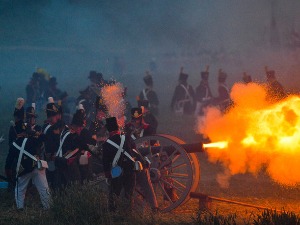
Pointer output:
x,y
118,164
27,150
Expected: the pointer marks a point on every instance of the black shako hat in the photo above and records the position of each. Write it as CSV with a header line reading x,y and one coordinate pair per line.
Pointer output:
x,y
111,124
183,77
30,112
51,108
222,76
148,80
204,75
78,119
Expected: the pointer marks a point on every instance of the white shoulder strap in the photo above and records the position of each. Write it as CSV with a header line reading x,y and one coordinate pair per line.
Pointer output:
x,y
142,133
186,91
46,129
22,151
133,137
120,150
145,95
61,142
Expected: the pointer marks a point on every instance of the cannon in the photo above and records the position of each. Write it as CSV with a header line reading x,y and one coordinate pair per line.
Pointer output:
x,y
174,169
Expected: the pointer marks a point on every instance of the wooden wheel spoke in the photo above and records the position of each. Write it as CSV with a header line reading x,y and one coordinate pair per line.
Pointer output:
x,y
175,158
167,161
178,175
176,166
172,185
164,192
180,184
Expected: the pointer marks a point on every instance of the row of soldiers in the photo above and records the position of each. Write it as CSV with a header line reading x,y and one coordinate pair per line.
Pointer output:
x,y
187,101
57,154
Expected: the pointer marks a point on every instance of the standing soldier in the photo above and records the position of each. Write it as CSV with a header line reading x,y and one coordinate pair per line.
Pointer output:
x,y
51,139
26,151
135,129
275,91
84,139
203,93
17,130
148,117
149,94
66,157
183,97
118,163
223,99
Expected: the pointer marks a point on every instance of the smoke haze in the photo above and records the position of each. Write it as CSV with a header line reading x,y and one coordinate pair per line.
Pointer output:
x,y
69,38
260,135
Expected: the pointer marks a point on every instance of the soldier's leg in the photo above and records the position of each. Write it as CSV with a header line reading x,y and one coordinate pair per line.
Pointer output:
x,y
41,184
115,189
20,189
129,181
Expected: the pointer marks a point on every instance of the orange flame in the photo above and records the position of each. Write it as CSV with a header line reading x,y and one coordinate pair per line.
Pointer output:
x,y
221,144
259,135
114,101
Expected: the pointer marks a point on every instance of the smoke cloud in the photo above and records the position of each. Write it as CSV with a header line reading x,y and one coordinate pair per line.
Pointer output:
x,y
260,136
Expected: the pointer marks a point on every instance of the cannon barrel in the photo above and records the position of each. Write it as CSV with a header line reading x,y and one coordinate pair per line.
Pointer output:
x,y
189,148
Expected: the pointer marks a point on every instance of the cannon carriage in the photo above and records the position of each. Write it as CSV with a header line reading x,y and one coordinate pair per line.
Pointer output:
x,y
174,169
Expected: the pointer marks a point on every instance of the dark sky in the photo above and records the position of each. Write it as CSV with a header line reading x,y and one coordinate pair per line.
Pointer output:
x,y
71,37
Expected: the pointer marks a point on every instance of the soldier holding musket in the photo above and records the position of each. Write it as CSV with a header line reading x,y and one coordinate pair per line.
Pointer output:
x,y
16,130
184,96
27,150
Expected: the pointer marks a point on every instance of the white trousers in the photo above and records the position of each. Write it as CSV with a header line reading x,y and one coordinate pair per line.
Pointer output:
x,y
39,180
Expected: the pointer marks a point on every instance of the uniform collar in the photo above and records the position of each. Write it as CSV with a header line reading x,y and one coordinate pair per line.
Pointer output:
x,y
114,133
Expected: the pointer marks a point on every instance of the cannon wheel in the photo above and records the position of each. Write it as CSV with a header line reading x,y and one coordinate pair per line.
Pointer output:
x,y
177,170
